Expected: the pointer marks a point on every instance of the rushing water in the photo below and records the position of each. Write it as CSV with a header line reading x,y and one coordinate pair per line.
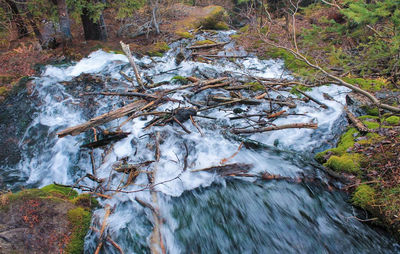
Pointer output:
x,y
201,212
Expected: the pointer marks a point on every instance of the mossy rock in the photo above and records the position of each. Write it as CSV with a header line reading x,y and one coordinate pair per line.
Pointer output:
x,y
393,120
185,35
364,196
372,111
371,125
349,163
215,19
204,42
158,49
180,79
368,117
346,141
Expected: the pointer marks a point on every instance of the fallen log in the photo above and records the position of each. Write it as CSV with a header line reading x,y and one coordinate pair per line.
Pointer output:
x,y
219,56
206,46
228,170
357,123
105,118
274,128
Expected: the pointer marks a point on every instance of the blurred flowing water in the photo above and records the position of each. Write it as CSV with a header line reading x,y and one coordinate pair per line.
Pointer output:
x,y
201,211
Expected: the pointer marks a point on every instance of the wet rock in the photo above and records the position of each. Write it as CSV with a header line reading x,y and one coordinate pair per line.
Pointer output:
x,y
388,97
183,114
16,113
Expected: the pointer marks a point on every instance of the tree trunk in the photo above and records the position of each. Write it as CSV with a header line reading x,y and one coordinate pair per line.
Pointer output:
x,y
65,26
93,30
17,19
35,28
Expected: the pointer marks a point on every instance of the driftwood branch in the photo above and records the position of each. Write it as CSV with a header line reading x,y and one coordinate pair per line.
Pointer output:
x,y
206,46
105,118
312,98
357,123
128,54
227,170
274,128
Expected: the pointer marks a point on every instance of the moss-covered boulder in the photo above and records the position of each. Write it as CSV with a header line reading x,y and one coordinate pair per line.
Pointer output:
x,y
364,196
53,219
393,120
348,162
158,49
346,141
215,19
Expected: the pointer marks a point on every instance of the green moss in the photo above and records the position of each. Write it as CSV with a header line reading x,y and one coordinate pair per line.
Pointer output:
x,y
215,20
363,196
180,79
348,162
371,125
116,52
158,49
85,200
3,91
221,25
235,36
367,117
204,42
244,29
79,220
298,67
346,141
371,138
255,86
393,120
368,84
185,35
372,111
57,190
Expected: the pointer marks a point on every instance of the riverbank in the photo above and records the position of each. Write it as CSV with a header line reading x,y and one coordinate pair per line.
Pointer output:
x,y
368,160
